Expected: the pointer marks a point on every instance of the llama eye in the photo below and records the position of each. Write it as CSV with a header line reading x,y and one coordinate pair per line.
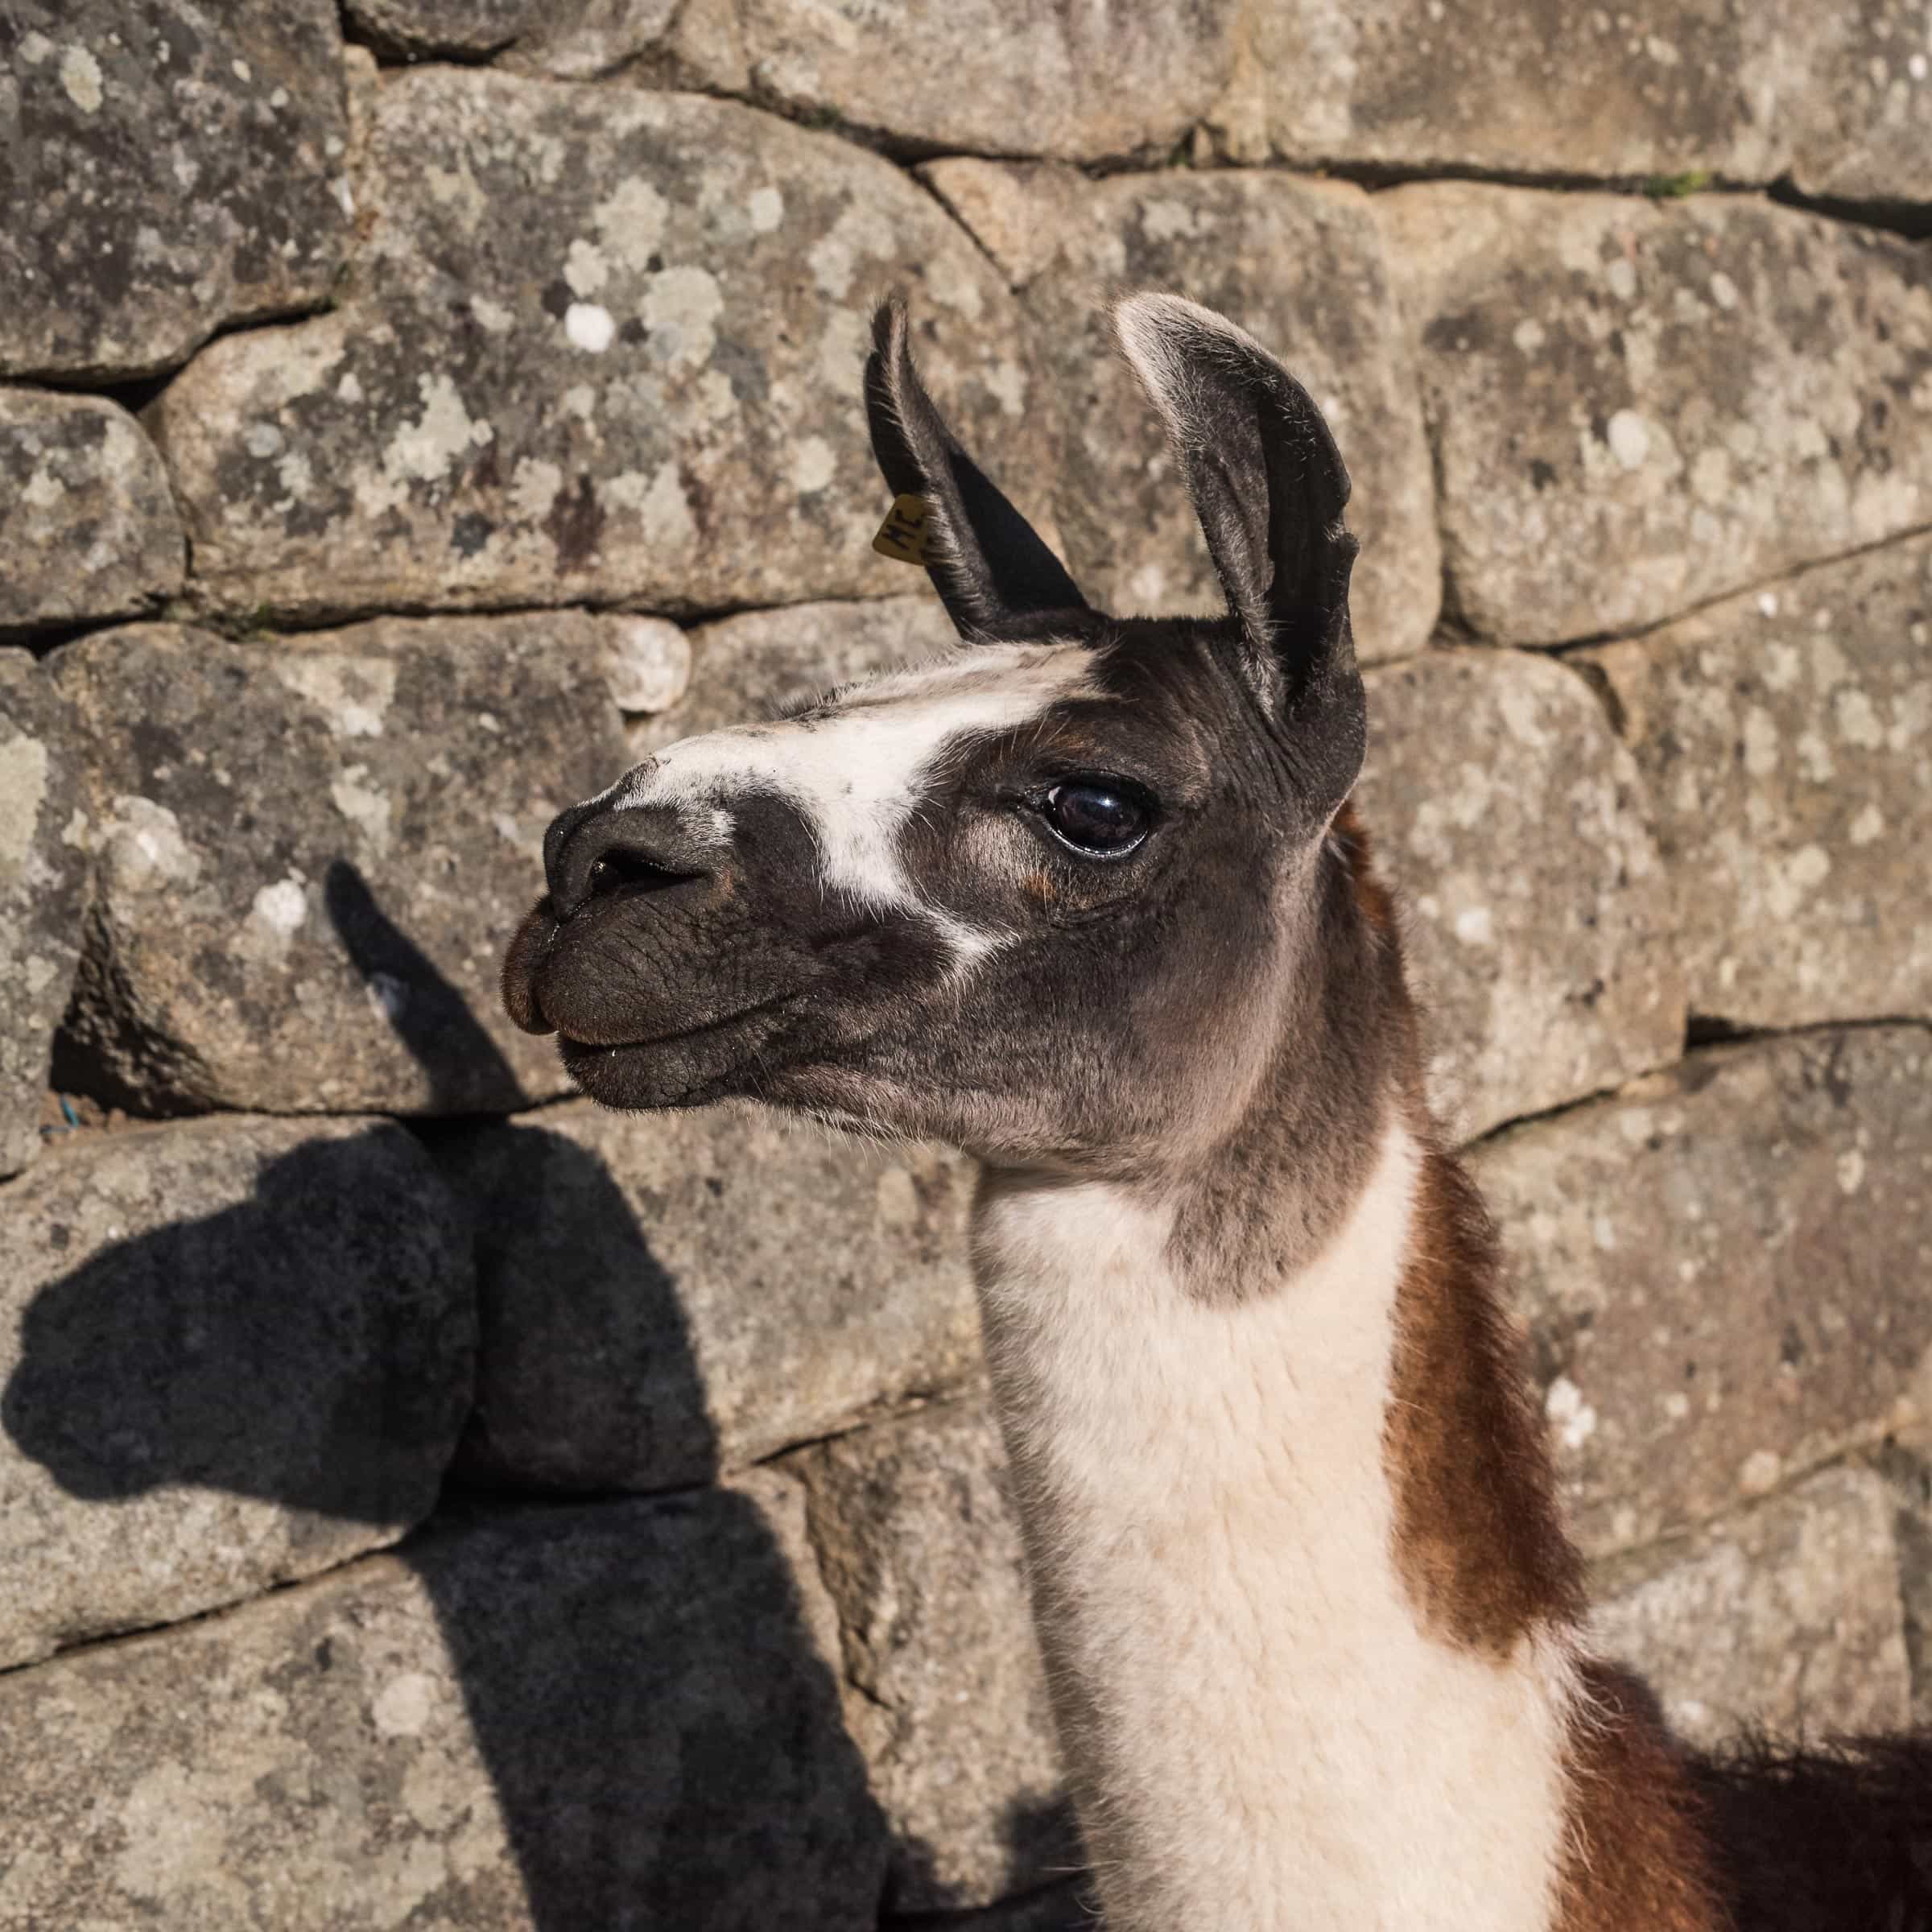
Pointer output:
x,y
1098,817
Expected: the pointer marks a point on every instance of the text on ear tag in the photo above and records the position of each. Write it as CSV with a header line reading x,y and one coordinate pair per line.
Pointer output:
x,y
902,535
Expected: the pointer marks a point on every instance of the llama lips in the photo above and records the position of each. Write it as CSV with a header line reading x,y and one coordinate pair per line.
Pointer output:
x,y
520,963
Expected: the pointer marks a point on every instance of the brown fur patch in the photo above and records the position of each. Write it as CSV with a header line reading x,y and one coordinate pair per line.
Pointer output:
x,y
1478,1539
1636,1857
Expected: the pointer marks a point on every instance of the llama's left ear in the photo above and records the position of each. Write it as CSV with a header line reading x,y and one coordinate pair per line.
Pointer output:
x,y
987,562
1269,488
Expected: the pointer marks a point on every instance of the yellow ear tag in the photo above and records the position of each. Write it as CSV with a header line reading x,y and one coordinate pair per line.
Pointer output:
x,y
902,535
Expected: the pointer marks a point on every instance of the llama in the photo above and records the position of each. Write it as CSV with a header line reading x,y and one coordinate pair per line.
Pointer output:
x,y
1088,899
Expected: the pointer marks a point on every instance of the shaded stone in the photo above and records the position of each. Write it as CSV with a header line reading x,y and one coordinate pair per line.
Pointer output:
x,y
232,1351
1723,1268
1299,264
1539,920
611,1716
666,1294
917,1538
1053,1908
1075,83
1786,1616
1528,86
744,668
176,167
1675,400
312,852
43,870
1783,736
606,347
694,44
87,527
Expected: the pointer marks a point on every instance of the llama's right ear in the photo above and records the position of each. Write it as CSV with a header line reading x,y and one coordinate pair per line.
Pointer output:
x,y
1269,488
986,561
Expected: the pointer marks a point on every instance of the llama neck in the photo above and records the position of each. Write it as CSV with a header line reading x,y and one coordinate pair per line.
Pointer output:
x,y
1300,1684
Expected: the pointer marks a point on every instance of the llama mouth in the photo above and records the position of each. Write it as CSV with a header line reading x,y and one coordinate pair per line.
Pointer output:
x,y
612,1069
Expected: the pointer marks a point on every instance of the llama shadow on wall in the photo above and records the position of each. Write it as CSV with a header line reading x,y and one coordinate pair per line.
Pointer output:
x,y
663,1739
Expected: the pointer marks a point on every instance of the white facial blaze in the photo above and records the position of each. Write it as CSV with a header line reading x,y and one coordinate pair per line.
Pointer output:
x,y
858,776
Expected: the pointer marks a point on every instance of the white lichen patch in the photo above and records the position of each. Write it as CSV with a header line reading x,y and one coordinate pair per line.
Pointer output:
x,y
23,786
589,327
141,848
363,805
813,464
681,308
424,450
80,78
630,222
353,694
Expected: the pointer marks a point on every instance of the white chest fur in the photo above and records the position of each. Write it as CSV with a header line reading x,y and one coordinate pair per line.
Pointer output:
x,y
1266,1735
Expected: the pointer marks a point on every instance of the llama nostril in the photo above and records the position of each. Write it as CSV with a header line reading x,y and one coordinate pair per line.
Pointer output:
x,y
641,850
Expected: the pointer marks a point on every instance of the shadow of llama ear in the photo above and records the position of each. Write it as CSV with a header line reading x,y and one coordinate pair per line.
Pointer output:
x,y
987,562
1269,488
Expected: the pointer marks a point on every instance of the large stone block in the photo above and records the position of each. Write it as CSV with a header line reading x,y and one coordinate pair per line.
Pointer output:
x,y
664,1295
1859,82
915,1533
1785,1617
312,852
1518,86
175,168
682,43
744,668
232,1352
1783,736
1540,920
43,869
1300,265
1725,1270
1079,83
605,346
87,528
1747,90
1639,406
615,1716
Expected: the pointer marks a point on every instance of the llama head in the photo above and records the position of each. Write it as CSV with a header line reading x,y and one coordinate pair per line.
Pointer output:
x,y
1054,897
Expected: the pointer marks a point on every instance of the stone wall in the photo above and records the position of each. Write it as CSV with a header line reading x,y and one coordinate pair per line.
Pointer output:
x,y
428,1501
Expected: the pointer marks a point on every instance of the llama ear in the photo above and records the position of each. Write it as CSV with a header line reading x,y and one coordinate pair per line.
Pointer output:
x,y
986,561
1268,487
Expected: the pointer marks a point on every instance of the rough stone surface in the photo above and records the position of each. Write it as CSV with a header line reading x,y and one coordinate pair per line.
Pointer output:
x,y
1079,83
176,166
696,44
1746,89
1861,78
1786,1616
311,853
1054,1909
918,1544
664,1295
43,869
616,1716
1538,918
647,663
87,528
1299,265
1638,406
463,27
1908,1464
232,1352
745,667
1723,1269
607,346
1785,737
1537,87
